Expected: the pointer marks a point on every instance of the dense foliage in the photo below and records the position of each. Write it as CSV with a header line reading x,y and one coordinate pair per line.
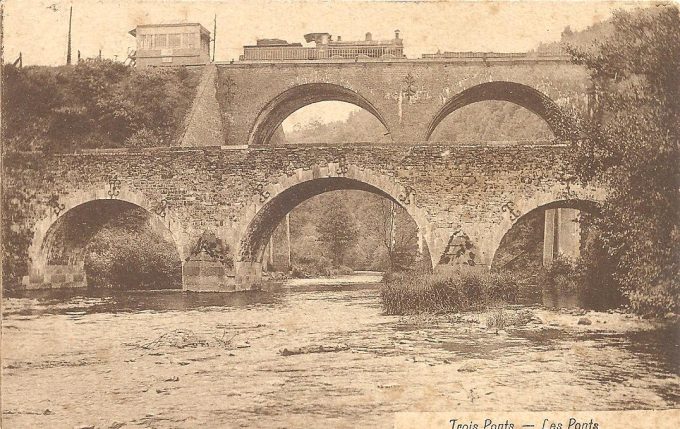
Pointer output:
x,y
364,215
632,145
127,253
398,235
337,230
585,282
94,104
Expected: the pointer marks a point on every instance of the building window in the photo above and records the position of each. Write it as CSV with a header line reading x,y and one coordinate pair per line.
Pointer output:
x,y
188,40
145,41
160,41
174,40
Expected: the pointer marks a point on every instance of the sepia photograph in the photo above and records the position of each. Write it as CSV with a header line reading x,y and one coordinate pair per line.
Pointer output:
x,y
456,214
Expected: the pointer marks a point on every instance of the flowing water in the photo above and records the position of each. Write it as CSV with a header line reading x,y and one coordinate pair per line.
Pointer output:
x,y
173,359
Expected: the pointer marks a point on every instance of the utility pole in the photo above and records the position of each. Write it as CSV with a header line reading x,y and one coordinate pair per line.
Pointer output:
x,y
290,265
271,250
2,142
214,37
393,227
68,51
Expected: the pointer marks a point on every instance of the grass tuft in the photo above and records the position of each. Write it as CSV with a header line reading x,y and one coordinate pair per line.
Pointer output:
x,y
439,293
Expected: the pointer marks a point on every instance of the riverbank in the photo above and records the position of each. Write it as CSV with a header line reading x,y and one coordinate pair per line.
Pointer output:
x,y
312,356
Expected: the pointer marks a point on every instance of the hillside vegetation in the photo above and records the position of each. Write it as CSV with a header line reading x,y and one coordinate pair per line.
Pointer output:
x,y
95,104
488,121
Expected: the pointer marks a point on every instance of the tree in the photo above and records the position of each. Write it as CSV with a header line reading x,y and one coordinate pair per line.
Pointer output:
x,y
632,146
567,33
337,229
397,235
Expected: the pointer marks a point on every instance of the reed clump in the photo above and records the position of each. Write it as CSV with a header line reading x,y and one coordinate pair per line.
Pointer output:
x,y
455,291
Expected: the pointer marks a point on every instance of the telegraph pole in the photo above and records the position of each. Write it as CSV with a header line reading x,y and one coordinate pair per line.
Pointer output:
x,y
68,51
393,227
271,250
214,37
290,266
2,142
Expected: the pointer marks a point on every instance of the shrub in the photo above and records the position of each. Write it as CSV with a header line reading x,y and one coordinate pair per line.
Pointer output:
x,y
562,276
307,267
498,319
341,270
462,290
143,138
589,280
126,253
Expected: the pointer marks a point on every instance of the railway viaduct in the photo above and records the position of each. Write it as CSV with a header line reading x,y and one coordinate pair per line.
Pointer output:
x,y
226,179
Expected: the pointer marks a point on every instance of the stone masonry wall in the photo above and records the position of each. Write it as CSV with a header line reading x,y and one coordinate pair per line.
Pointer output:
x,y
203,124
406,94
452,192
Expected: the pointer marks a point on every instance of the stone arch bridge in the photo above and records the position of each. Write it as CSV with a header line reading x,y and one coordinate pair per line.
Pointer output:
x,y
225,179
409,97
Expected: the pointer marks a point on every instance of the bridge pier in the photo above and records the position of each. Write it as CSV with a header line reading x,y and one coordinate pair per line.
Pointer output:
x,y
562,235
213,276
56,277
248,274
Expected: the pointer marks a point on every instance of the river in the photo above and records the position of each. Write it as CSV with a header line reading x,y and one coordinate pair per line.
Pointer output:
x,y
173,359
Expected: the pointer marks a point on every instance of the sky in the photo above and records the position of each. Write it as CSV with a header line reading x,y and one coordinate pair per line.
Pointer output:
x,y
39,28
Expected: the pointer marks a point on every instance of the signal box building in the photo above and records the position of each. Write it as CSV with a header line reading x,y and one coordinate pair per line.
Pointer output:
x,y
171,44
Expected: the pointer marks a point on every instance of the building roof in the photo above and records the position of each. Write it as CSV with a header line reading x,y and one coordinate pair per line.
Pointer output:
x,y
133,32
312,37
289,45
365,42
275,42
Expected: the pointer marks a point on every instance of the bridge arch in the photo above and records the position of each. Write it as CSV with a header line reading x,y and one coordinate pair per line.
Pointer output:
x,y
67,221
297,97
520,94
276,200
582,204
